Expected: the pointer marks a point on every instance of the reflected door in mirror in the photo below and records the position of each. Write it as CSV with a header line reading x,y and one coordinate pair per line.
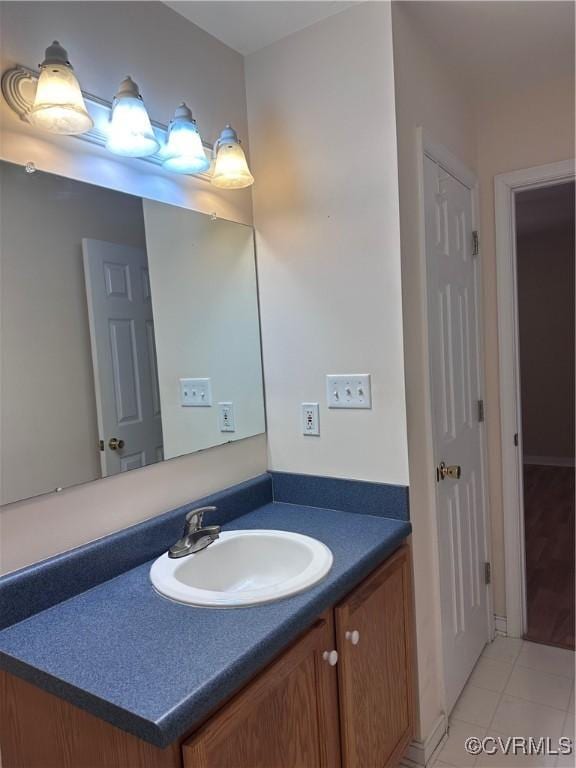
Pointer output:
x,y
123,355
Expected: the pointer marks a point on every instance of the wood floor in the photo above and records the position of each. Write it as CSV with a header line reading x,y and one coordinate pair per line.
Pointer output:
x,y
549,525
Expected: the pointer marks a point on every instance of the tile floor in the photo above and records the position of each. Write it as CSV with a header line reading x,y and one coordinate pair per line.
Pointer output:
x,y
516,689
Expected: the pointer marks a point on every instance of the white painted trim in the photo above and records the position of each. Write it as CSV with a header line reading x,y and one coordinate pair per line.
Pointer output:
x,y
426,146
446,159
550,461
483,428
505,187
427,428
501,625
422,752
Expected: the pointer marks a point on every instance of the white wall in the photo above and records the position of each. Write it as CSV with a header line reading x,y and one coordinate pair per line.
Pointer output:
x,y
426,95
171,59
322,131
49,432
205,302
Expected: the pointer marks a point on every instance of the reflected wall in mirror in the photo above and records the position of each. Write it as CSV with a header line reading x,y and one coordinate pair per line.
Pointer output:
x,y
129,332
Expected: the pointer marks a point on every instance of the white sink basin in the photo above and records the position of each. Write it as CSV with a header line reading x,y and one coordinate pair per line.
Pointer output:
x,y
243,568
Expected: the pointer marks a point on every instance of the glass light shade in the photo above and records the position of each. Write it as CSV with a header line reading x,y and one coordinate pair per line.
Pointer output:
x,y
230,169
58,105
130,132
184,152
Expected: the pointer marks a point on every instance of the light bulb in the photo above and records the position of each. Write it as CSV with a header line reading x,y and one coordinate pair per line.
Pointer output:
x,y
130,131
184,152
58,105
231,169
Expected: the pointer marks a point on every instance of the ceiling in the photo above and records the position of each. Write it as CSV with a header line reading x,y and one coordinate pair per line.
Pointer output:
x,y
499,45
545,209
249,26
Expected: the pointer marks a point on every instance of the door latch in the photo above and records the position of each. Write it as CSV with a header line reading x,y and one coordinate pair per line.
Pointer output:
x,y
443,470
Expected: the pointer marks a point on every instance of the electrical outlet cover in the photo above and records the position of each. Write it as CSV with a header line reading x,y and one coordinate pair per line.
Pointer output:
x,y
226,417
310,419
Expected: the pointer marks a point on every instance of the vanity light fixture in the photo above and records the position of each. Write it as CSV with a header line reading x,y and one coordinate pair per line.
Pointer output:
x,y
130,131
184,152
58,105
51,99
231,168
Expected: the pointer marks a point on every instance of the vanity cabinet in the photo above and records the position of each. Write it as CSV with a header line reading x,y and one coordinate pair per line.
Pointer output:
x,y
375,678
287,716
305,712
340,697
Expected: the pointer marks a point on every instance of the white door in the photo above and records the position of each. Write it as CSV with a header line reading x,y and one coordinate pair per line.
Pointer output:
x,y
455,361
123,355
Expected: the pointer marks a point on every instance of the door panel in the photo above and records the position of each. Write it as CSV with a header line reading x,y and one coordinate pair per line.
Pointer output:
x,y
455,368
126,385
286,718
123,354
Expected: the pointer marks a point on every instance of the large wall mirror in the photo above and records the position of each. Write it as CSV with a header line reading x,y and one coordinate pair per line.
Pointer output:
x,y
129,332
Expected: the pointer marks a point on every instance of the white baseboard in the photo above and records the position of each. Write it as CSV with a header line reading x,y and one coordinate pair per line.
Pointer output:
x,y
420,753
550,461
500,625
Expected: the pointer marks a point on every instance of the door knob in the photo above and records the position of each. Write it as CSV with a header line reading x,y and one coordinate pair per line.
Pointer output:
x,y
353,636
115,444
331,657
444,470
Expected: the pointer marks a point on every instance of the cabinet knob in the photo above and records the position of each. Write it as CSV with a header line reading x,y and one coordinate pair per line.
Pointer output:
x,y
331,657
353,636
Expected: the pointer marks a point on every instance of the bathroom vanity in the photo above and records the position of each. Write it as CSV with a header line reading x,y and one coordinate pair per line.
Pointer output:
x,y
119,677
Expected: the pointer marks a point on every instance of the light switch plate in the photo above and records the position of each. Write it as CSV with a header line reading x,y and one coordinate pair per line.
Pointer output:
x,y
195,393
310,419
350,390
226,417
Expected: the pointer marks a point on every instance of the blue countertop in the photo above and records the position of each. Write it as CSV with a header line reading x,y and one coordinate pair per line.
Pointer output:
x,y
156,668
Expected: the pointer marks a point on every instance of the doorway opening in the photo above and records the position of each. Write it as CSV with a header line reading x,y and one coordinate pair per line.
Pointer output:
x,y
545,289
507,188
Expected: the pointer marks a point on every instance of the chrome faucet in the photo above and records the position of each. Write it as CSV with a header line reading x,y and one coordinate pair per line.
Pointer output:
x,y
195,537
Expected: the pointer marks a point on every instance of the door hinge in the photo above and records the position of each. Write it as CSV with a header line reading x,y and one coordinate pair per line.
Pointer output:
x,y
475,243
487,573
516,438
480,410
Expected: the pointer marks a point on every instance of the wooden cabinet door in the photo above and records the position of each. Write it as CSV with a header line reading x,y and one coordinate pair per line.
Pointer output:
x,y
286,718
375,666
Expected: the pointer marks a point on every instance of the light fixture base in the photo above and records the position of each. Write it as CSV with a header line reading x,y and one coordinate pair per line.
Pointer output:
x,y
15,82
56,54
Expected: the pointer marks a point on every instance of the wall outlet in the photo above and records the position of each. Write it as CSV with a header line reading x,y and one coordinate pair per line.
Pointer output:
x,y
226,417
195,393
350,390
310,419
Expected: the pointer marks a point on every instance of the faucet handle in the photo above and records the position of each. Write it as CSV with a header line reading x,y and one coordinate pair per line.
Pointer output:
x,y
195,517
